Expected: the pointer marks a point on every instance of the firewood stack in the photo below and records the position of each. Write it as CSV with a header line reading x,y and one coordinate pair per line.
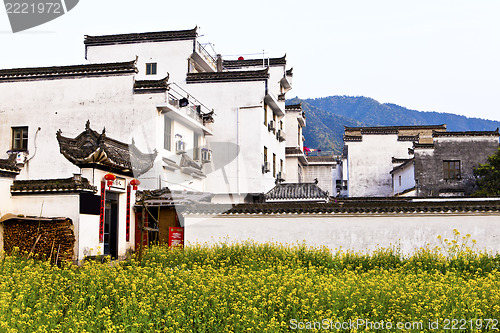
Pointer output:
x,y
40,237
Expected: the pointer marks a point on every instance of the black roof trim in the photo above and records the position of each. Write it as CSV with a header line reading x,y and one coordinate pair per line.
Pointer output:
x,y
151,86
229,76
297,192
404,164
34,73
353,206
465,133
294,107
254,62
392,129
91,149
74,184
144,37
9,166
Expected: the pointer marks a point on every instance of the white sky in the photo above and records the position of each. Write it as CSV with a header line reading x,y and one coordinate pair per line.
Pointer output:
x,y
428,55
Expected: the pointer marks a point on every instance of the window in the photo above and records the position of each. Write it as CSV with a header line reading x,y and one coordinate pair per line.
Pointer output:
x,y
265,155
281,165
167,143
20,138
298,136
265,114
451,169
151,68
196,149
281,124
274,165
399,181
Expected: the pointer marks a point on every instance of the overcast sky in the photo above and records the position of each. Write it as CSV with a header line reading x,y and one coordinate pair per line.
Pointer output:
x,y
437,55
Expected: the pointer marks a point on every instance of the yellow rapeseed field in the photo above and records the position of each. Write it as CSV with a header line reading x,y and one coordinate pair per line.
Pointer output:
x,y
254,287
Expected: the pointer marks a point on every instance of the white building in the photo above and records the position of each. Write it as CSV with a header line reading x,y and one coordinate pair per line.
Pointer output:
x,y
38,102
370,152
296,160
248,96
159,96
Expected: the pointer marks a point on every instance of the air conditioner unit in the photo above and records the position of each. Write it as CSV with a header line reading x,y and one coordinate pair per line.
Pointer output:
x,y
266,167
271,126
206,156
180,147
281,135
281,175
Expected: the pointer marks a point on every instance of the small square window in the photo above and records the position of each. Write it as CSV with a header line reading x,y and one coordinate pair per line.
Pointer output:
x,y
451,170
151,68
20,138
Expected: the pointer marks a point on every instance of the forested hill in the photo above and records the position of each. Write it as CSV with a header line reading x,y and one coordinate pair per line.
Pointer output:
x,y
327,116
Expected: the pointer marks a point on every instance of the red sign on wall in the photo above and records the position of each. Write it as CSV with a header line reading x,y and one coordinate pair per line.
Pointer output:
x,y
175,236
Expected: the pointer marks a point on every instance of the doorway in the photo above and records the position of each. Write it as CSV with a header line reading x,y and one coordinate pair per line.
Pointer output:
x,y
111,225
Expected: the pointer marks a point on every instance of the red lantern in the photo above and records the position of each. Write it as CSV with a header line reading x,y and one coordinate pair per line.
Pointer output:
x,y
135,182
109,178
241,58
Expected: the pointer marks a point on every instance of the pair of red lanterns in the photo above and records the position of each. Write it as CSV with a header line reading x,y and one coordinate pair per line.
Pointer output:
x,y
109,177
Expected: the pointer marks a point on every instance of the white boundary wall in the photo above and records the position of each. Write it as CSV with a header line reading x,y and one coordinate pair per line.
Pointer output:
x,y
361,232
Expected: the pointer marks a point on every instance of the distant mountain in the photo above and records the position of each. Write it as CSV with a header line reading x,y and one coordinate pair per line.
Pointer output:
x,y
327,116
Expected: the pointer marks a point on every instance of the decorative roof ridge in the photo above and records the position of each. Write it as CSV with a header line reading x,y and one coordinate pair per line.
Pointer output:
x,y
152,85
8,165
90,148
266,62
353,137
294,107
100,69
289,72
296,192
72,184
348,128
158,36
228,76
465,133
393,205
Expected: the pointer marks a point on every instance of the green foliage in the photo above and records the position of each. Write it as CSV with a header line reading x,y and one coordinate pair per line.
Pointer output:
x,y
488,177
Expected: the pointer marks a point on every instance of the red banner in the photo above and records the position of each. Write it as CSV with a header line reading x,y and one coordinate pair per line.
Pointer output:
x,y
127,222
102,212
175,236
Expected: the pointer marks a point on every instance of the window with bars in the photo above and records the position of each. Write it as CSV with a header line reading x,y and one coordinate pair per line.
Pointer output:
x,y
151,68
265,114
196,147
274,165
451,170
20,138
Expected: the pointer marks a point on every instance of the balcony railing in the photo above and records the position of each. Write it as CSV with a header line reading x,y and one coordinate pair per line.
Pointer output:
x,y
180,99
211,60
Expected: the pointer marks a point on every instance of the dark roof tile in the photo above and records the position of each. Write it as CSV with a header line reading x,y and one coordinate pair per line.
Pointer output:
x,y
228,76
159,36
74,184
36,73
90,148
265,62
296,192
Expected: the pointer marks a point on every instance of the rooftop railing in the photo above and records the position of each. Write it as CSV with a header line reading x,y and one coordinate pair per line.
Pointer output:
x,y
211,60
185,102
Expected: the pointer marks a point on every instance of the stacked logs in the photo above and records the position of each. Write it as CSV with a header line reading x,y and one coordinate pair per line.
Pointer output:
x,y
41,238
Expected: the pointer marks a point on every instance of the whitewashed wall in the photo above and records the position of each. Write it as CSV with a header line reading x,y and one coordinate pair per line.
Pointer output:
x,y
354,232
370,164
407,175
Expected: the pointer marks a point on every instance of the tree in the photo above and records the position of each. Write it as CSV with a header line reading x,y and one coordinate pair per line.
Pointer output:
x,y
488,177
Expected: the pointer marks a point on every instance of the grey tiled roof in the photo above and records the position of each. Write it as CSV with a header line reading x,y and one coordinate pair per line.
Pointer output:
x,y
254,62
9,165
465,133
148,86
229,76
392,129
90,148
160,36
351,206
293,107
167,198
35,73
52,186
296,192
